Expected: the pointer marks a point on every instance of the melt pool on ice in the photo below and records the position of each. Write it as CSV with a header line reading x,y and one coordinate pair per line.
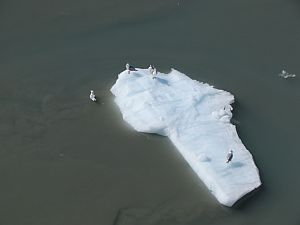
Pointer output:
x,y
196,118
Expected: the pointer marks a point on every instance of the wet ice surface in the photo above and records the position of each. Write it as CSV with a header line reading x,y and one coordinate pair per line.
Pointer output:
x,y
196,118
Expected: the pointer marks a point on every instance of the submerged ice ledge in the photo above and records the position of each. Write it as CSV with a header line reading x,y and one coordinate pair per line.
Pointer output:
x,y
196,117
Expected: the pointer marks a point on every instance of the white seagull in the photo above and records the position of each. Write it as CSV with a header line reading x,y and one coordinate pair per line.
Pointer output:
x,y
229,156
93,96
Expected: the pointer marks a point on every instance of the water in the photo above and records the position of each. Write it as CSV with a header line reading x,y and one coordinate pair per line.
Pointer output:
x,y
65,160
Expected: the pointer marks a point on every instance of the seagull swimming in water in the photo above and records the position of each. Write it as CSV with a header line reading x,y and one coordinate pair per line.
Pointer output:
x,y
229,156
93,96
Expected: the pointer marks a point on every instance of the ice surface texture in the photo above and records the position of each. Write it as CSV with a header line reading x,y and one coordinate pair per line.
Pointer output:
x,y
196,117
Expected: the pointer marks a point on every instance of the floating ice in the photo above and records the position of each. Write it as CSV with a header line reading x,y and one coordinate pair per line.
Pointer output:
x,y
286,75
196,117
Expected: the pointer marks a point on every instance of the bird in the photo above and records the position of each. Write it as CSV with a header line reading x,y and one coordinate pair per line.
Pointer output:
x,y
151,68
128,67
154,73
93,96
229,156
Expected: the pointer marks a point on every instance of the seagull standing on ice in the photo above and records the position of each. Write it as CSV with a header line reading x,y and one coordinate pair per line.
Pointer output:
x,y
154,73
151,68
128,67
93,96
229,156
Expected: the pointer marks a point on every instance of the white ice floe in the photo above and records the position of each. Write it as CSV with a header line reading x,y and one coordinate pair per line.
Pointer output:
x,y
196,117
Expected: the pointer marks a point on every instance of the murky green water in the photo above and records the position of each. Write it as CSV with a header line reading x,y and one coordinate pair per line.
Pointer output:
x,y
64,160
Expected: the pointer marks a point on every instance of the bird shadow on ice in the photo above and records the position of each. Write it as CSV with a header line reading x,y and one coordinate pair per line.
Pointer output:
x,y
136,74
232,165
163,81
236,164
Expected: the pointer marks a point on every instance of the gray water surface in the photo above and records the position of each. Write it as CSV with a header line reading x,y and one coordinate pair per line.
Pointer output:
x,y
64,160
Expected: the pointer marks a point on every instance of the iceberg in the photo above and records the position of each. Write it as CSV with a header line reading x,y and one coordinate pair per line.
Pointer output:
x,y
196,117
